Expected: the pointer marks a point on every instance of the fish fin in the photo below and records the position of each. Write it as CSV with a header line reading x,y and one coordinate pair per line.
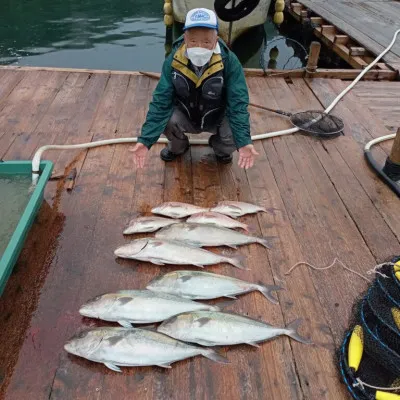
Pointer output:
x,y
112,366
294,334
164,365
232,246
224,304
253,344
215,356
238,261
231,297
199,265
155,261
125,324
174,214
265,241
266,291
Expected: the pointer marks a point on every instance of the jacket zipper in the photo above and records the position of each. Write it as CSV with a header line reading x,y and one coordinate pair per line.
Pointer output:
x,y
205,115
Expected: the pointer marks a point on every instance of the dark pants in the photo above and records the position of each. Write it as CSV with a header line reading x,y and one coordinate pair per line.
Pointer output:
x,y
221,140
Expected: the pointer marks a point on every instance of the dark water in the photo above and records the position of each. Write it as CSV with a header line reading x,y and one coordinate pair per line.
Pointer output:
x,y
14,196
120,35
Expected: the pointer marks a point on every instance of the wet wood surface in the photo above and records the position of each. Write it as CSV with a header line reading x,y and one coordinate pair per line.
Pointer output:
x,y
323,200
371,24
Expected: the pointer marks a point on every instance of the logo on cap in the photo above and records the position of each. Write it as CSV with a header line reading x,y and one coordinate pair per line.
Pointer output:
x,y
200,15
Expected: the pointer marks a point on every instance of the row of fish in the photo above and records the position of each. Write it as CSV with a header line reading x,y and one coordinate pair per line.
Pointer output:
x,y
169,299
179,242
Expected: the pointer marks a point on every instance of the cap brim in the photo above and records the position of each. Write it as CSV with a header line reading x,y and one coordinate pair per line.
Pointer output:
x,y
200,25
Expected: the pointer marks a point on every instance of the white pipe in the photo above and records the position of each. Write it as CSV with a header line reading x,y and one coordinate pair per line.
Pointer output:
x,y
40,151
378,140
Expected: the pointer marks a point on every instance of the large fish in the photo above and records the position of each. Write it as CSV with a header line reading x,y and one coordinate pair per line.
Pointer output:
x,y
130,347
139,307
148,224
205,285
216,219
177,210
160,252
211,328
208,235
236,209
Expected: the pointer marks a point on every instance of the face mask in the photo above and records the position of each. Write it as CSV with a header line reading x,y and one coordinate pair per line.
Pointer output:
x,y
199,56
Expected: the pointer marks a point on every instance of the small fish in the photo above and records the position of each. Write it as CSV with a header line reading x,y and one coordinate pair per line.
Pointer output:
x,y
236,209
161,252
131,347
177,210
208,235
216,219
205,285
148,224
139,307
210,328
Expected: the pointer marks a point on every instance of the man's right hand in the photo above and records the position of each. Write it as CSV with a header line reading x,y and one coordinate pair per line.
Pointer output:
x,y
139,154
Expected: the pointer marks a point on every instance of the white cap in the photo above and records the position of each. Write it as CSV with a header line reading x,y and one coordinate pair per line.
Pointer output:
x,y
201,17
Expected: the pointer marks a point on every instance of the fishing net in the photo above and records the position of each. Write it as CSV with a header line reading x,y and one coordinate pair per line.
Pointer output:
x,y
377,315
318,123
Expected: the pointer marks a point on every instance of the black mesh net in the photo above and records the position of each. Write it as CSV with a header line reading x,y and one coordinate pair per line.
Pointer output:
x,y
318,123
377,313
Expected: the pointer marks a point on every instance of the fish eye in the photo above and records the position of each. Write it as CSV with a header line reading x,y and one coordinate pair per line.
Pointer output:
x,y
81,335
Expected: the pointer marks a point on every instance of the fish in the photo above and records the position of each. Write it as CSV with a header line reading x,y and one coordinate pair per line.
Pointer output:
x,y
208,235
132,347
210,328
161,252
199,285
177,210
217,219
139,307
148,224
236,209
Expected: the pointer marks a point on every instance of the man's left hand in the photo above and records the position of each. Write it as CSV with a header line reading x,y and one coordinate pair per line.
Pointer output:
x,y
247,156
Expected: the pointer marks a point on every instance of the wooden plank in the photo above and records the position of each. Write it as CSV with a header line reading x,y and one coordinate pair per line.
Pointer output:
x,y
346,25
300,297
307,193
78,129
357,51
273,358
27,105
8,81
341,39
54,122
352,165
317,21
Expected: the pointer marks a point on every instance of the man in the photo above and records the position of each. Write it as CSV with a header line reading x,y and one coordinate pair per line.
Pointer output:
x,y
202,88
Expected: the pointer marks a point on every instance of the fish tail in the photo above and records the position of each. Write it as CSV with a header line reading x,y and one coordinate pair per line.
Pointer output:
x,y
237,261
215,356
266,241
267,290
294,334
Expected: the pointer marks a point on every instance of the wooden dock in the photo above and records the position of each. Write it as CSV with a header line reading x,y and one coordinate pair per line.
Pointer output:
x,y
323,199
357,30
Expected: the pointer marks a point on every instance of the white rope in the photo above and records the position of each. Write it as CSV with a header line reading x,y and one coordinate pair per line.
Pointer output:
x,y
362,384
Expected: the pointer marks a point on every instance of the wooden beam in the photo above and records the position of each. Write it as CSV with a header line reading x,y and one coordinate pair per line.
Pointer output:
x,y
341,39
328,30
357,51
316,21
297,7
395,153
313,57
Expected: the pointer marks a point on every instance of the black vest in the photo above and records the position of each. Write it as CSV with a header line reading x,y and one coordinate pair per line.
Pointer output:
x,y
202,98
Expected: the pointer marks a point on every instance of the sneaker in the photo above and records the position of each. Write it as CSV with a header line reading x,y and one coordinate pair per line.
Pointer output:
x,y
167,155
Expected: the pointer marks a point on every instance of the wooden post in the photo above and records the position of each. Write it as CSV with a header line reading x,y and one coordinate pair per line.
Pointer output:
x,y
312,63
395,153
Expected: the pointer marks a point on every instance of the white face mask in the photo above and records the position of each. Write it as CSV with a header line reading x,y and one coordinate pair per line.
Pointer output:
x,y
199,56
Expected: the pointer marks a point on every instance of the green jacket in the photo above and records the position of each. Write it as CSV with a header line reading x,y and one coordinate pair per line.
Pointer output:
x,y
237,100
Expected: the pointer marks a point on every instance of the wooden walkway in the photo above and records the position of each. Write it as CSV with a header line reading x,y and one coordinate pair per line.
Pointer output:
x,y
371,23
326,203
